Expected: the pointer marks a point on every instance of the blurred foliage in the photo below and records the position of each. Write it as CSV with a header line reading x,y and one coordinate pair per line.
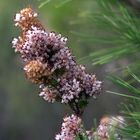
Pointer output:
x,y
131,108
116,27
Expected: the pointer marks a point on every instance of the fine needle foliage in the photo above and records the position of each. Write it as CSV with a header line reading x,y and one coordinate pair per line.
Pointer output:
x,y
118,28
131,110
59,3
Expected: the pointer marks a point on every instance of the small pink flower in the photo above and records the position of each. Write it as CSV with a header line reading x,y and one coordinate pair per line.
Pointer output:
x,y
70,128
48,95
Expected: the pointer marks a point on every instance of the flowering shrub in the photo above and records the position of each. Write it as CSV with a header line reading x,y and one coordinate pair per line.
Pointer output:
x,y
49,63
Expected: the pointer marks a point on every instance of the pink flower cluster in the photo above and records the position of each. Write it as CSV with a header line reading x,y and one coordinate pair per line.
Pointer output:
x,y
48,62
71,127
109,125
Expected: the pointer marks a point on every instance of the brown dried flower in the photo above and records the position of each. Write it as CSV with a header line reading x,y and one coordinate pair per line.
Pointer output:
x,y
36,71
27,18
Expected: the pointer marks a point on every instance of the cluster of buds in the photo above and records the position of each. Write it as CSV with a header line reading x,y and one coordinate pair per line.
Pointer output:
x,y
71,127
110,125
108,128
48,62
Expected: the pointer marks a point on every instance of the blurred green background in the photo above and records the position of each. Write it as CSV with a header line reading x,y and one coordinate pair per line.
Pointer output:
x,y
23,114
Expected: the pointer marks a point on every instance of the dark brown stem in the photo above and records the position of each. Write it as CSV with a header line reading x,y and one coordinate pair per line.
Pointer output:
x,y
72,107
75,107
79,110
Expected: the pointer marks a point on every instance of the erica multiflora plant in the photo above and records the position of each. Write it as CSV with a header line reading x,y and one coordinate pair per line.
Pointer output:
x,y
49,63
